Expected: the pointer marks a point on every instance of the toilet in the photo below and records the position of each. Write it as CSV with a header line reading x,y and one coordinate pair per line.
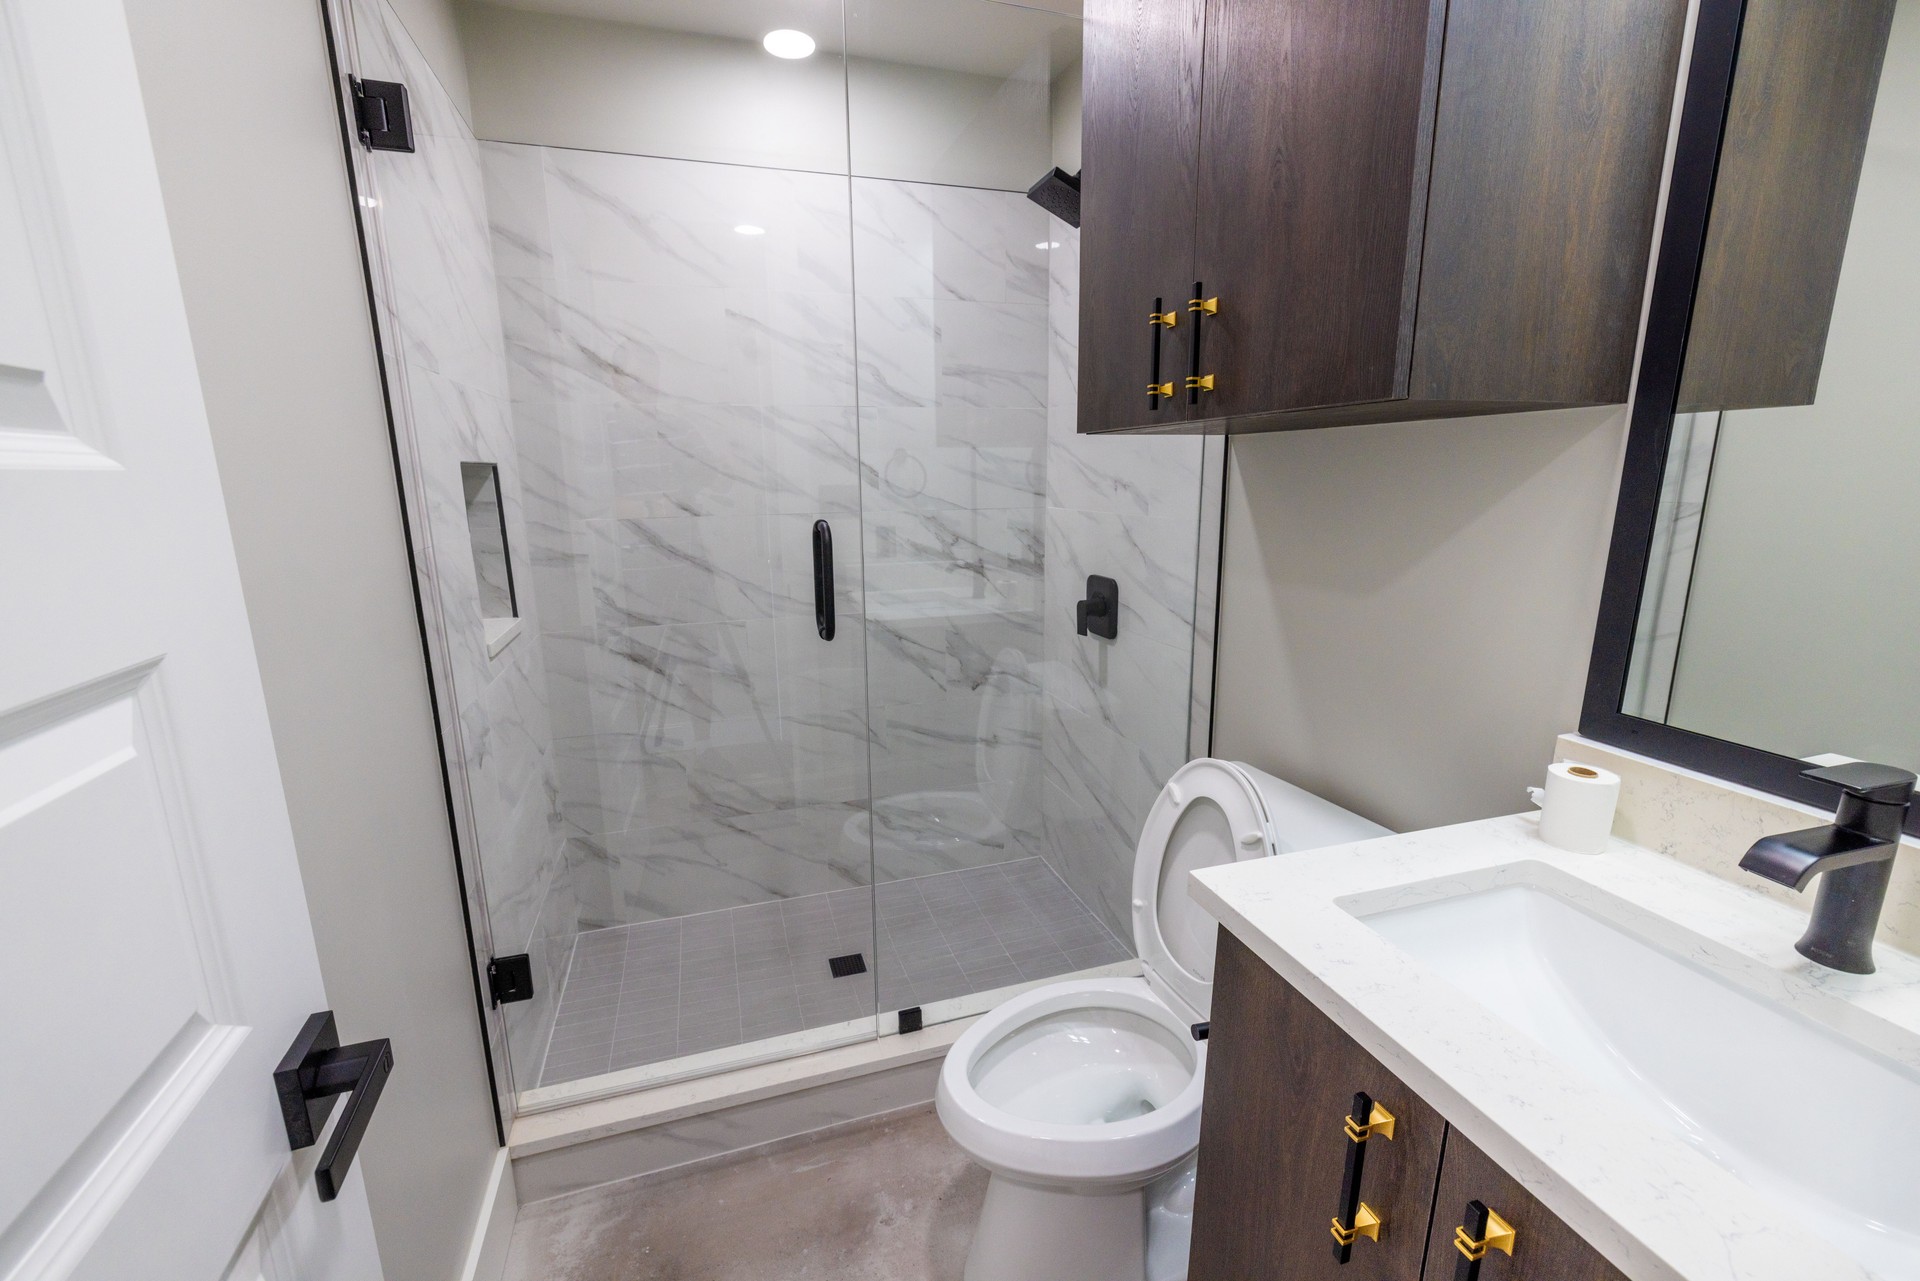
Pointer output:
x,y
1082,1098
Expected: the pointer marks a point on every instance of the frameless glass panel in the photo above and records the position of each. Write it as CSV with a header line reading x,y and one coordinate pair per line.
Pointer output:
x,y
634,290
684,331
1783,586
1014,759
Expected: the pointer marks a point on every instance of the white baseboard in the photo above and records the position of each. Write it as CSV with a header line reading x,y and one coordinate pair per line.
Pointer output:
x,y
493,1229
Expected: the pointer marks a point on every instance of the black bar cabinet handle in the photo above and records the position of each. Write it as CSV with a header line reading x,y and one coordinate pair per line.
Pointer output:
x,y
1159,320
317,1070
1481,1232
1356,1218
823,578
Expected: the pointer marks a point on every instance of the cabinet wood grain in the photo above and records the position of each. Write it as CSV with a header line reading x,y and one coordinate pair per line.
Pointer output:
x,y
1140,145
1280,1080
1408,209
1790,160
1315,134
1544,1247
1546,183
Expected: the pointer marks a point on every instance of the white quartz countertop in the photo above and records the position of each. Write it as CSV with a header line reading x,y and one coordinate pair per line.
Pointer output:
x,y
1654,1206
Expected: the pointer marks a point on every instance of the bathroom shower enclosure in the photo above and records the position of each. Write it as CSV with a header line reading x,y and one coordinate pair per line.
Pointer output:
x,y
733,402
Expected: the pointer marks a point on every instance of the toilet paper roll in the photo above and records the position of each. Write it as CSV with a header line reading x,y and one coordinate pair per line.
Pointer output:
x,y
1576,806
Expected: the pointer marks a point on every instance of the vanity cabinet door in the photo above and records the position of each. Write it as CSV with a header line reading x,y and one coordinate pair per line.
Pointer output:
x,y
1544,1248
1274,1152
1140,144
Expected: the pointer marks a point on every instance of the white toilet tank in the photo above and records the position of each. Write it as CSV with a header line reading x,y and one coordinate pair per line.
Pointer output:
x,y
1299,820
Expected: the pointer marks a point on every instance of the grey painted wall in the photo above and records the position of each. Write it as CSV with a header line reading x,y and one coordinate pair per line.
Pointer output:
x,y
263,230
1406,611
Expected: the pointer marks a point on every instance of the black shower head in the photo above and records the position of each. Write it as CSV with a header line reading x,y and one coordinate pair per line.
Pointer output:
x,y
1059,194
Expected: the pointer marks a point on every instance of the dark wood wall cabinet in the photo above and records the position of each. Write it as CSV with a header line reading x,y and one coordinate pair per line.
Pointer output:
x,y
1317,1163
1783,195
1302,213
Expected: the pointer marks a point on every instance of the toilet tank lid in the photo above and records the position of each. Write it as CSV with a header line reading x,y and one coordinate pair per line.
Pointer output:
x,y
1299,820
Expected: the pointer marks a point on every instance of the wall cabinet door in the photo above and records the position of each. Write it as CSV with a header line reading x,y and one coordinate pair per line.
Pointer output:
x,y
1317,126
1544,1248
1407,209
1140,144
1274,1152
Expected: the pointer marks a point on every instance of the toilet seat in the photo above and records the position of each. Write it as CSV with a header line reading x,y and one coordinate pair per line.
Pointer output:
x,y
1088,1151
1209,813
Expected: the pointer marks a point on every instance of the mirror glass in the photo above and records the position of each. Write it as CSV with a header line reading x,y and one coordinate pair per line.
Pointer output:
x,y
1781,603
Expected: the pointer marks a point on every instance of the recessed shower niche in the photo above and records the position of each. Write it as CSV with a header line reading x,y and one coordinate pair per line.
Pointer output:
x,y
688,338
492,567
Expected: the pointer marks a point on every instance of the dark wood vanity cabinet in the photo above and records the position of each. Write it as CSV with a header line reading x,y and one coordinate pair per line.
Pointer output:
x,y
1405,208
1277,1149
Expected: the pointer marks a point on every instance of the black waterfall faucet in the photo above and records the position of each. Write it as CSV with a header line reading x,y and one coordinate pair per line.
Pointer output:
x,y
1099,613
1854,855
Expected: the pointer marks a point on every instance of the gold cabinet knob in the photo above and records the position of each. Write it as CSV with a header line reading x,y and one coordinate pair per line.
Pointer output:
x,y
1165,319
1366,1223
1498,1236
1164,390
1200,382
1205,306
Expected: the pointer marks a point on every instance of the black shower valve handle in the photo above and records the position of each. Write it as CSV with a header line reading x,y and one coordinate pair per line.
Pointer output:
x,y
1099,613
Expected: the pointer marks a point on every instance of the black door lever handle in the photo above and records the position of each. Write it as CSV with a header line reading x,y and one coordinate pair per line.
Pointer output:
x,y
317,1069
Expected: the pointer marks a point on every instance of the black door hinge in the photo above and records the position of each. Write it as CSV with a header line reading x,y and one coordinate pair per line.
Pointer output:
x,y
381,114
510,979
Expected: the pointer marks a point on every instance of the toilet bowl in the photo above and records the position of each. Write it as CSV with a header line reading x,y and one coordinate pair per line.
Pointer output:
x,y
1082,1098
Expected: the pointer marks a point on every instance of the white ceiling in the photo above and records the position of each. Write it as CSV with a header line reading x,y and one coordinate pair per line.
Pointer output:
x,y
985,37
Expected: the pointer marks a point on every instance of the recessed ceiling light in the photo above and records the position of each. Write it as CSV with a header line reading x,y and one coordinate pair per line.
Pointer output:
x,y
748,229
787,43
1048,244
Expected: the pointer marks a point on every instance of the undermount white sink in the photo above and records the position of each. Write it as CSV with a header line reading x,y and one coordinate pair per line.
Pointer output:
x,y
1823,1127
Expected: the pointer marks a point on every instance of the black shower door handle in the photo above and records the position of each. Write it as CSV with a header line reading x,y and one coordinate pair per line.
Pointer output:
x,y
823,578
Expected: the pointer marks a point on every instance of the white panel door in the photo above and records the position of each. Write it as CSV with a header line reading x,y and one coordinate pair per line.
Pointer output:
x,y
159,956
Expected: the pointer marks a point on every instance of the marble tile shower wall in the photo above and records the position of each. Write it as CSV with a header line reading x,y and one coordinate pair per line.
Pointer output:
x,y
1120,717
685,394
686,400
440,317
951,305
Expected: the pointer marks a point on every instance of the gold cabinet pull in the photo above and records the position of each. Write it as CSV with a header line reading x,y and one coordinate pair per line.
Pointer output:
x,y
1498,1235
1165,319
1163,390
1379,1121
1366,1223
1200,382
1206,306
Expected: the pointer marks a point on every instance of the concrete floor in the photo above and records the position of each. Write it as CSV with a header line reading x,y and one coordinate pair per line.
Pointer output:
x,y
893,1201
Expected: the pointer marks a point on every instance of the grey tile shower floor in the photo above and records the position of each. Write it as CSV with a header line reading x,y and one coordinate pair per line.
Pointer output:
x,y
639,994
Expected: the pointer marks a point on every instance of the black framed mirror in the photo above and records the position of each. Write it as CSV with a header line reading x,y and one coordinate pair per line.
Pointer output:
x,y
1765,560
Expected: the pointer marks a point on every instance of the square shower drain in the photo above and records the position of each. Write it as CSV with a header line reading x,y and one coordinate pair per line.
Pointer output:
x,y
847,966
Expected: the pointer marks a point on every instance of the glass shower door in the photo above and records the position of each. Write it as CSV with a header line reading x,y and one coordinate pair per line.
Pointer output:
x,y
694,331
965,300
